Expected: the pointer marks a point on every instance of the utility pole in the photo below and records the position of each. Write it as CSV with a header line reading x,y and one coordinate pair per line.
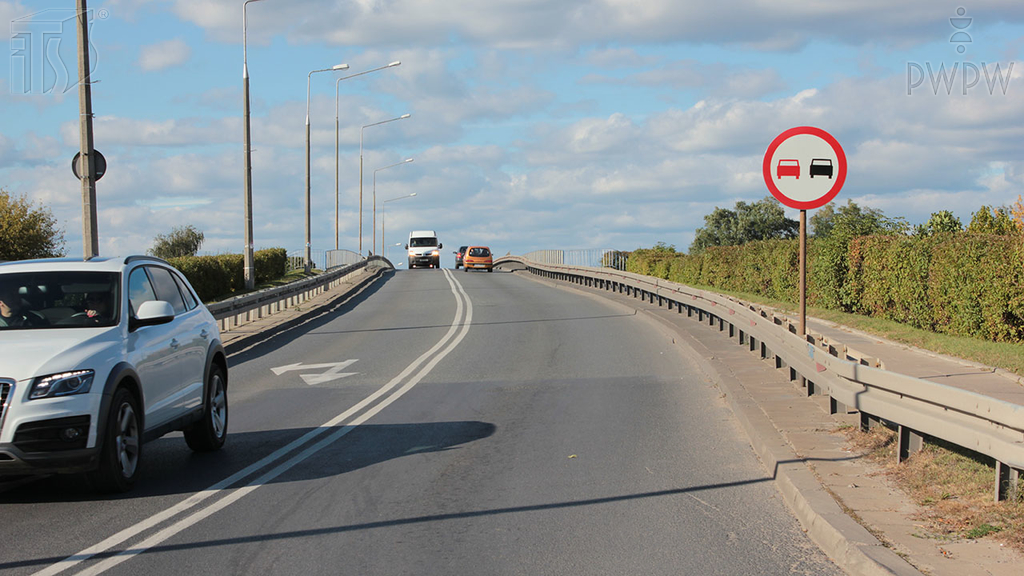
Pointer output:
x,y
87,168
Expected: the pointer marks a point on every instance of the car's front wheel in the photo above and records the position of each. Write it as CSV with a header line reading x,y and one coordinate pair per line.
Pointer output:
x,y
209,433
121,452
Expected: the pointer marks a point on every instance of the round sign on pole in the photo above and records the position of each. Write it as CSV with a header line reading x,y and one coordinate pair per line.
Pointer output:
x,y
99,165
804,167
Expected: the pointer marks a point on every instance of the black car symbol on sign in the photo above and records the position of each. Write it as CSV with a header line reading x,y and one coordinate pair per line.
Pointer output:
x,y
821,167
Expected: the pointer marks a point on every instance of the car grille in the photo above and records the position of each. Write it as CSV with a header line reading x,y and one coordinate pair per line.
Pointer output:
x,y
6,392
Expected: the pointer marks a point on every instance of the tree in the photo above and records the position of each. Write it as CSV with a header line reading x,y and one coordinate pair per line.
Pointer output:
x,y
940,222
182,241
27,231
992,220
761,220
1017,212
851,220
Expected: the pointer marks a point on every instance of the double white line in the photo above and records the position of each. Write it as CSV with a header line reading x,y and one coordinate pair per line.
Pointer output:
x,y
348,420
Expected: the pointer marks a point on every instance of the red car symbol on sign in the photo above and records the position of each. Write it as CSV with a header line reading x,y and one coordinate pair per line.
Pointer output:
x,y
787,167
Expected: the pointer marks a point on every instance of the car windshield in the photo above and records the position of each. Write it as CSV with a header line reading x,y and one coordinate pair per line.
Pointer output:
x,y
422,242
30,300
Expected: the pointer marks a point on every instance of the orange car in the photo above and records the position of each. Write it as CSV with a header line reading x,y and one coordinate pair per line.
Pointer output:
x,y
478,257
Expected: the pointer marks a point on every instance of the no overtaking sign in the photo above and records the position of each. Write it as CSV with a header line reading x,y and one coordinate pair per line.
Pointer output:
x,y
804,167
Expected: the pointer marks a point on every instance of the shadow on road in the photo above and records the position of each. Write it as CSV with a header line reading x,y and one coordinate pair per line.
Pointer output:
x,y
171,468
415,443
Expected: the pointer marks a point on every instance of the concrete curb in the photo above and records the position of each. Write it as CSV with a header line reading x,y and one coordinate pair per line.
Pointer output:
x,y
285,320
850,545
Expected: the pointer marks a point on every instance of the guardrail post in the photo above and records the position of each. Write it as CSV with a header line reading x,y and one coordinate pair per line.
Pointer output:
x,y
910,442
837,407
1007,482
867,422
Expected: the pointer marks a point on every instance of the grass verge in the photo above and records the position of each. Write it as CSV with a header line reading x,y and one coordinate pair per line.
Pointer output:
x,y
1008,356
952,486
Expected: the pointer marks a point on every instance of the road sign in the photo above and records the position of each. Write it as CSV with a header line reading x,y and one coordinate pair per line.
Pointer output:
x,y
804,167
99,165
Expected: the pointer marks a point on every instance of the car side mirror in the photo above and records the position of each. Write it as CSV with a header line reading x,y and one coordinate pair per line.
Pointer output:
x,y
406,246
439,245
152,313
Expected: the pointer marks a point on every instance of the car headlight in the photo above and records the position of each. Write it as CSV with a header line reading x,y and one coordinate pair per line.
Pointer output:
x,y
434,253
412,252
63,384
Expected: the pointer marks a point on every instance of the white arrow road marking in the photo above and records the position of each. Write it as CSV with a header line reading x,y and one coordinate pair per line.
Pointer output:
x,y
300,366
334,371
333,374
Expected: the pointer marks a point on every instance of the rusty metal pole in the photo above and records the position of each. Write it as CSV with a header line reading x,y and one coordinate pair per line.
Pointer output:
x,y
87,166
803,272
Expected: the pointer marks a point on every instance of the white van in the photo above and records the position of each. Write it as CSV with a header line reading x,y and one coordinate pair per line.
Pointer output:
x,y
424,249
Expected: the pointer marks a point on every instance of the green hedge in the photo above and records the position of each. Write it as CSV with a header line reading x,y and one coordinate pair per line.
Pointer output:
x,y
216,276
962,284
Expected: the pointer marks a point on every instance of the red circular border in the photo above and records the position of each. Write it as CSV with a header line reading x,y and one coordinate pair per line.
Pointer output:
x,y
766,168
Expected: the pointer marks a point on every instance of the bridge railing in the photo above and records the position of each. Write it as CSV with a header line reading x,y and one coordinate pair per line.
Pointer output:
x,y
240,310
595,257
853,382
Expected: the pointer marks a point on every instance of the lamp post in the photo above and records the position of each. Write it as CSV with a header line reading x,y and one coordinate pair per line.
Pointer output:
x,y
402,117
337,101
308,264
387,251
374,235
383,214
250,280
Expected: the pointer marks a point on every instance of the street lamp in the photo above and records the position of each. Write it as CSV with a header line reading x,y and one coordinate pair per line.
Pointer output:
x,y
374,235
308,265
402,117
337,100
387,251
247,266
383,213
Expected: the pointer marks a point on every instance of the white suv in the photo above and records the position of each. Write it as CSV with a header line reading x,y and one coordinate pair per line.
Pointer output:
x,y
99,356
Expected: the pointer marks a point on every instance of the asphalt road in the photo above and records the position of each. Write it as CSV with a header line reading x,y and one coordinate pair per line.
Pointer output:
x,y
441,423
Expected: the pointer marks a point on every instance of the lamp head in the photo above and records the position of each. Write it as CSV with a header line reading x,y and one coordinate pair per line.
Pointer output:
x,y
395,63
404,116
340,67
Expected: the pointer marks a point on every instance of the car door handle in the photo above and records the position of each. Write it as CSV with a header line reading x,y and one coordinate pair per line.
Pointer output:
x,y
204,334
174,342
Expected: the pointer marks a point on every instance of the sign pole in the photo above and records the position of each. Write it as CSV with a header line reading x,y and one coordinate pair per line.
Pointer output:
x,y
803,272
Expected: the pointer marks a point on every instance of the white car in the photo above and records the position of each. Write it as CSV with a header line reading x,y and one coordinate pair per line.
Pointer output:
x,y
100,356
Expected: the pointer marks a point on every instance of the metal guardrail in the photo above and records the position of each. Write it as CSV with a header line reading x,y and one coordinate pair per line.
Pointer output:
x,y
853,382
322,259
595,257
239,310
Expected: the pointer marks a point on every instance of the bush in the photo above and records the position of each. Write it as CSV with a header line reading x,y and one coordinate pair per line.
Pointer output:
x,y
959,283
270,264
216,276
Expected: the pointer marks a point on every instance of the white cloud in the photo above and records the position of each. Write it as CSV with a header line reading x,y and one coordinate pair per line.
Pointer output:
x,y
513,24
164,55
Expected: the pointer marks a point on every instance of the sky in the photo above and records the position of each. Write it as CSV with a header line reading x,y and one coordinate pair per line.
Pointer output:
x,y
568,124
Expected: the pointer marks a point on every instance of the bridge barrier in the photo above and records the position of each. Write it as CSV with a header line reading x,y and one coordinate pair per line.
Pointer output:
x,y
240,310
854,383
595,257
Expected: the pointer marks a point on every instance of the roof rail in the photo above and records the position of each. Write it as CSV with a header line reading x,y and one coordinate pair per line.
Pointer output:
x,y
146,257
